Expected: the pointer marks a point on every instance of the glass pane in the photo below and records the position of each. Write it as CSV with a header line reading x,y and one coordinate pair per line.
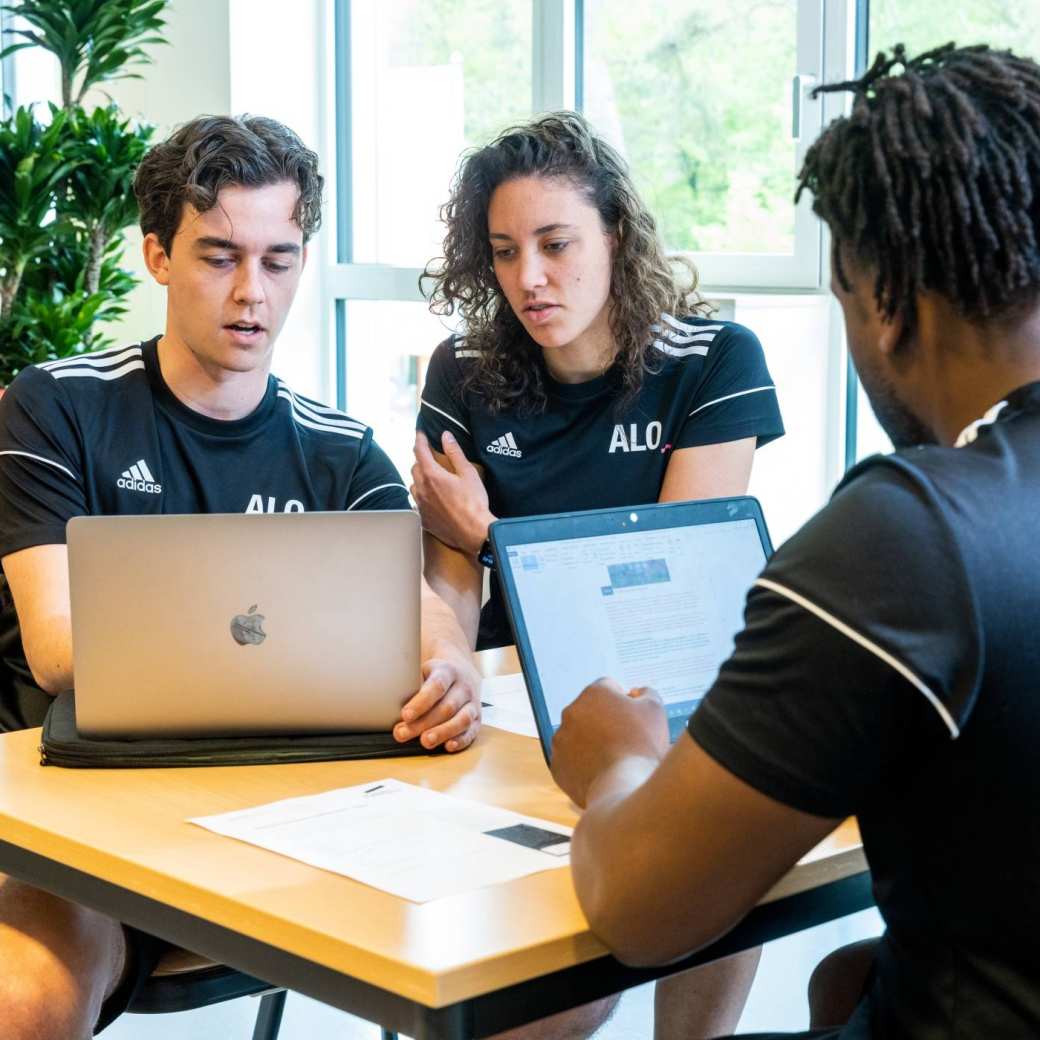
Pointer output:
x,y
924,24
697,96
429,79
389,344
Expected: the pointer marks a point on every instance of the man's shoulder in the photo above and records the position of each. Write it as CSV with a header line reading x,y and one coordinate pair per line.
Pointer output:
x,y
85,385
318,422
88,373
884,527
883,497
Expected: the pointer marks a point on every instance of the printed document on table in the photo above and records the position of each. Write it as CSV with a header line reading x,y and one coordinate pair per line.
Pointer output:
x,y
505,704
412,842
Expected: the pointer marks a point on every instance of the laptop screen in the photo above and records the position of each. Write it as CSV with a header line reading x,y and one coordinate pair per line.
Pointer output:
x,y
649,607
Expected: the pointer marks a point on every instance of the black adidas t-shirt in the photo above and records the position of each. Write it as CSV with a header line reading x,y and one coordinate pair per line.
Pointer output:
x,y
102,434
711,385
889,669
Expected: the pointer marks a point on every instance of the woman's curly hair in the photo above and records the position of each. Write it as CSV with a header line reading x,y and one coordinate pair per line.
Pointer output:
x,y
508,372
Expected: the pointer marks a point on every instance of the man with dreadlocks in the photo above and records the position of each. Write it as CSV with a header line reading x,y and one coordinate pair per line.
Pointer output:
x,y
889,660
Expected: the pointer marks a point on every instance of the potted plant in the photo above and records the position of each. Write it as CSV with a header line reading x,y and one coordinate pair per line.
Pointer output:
x,y
66,185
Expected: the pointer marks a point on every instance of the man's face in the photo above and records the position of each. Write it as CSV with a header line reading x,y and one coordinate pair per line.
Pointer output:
x,y
881,371
231,276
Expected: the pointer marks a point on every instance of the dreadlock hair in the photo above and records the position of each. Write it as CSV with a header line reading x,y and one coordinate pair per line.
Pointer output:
x,y
931,182
508,371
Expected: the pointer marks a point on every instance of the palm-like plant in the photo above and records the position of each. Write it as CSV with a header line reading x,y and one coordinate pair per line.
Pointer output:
x,y
32,169
66,188
104,150
93,40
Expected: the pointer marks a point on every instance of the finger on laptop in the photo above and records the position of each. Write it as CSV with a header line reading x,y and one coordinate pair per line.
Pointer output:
x,y
438,680
445,709
440,698
456,719
458,732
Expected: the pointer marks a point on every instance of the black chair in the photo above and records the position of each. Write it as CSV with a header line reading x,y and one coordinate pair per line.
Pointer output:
x,y
183,981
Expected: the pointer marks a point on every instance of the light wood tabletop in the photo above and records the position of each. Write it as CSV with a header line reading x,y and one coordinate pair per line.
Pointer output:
x,y
128,828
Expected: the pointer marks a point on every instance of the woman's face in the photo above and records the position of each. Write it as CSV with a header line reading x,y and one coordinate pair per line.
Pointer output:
x,y
552,259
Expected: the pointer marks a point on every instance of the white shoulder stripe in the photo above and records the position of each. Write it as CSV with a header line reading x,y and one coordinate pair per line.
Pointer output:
x,y
693,337
729,397
469,353
440,411
867,644
667,348
101,359
98,373
701,332
324,428
316,408
40,458
372,491
682,326
299,408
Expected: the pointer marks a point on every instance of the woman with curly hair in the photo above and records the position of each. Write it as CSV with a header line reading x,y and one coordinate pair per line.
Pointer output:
x,y
588,375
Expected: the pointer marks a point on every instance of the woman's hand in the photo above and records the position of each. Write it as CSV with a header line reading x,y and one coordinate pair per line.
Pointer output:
x,y
451,496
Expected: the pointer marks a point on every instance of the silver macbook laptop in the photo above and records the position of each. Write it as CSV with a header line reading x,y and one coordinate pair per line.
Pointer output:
x,y
651,596
243,624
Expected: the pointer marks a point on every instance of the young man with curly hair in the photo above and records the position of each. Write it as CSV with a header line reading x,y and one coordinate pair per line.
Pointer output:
x,y
201,426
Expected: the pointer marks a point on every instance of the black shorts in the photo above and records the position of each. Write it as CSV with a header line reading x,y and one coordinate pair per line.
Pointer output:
x,y
143,953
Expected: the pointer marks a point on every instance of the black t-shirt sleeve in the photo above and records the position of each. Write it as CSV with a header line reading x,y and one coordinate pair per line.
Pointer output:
x,y
441,406
734,397
376,483
41,463
861,651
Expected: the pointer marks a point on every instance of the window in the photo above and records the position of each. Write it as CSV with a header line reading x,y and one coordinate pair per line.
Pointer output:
x,y
928,23
699,97
429,78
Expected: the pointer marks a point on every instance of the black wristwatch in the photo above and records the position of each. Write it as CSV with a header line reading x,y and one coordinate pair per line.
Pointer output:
x,y
486,556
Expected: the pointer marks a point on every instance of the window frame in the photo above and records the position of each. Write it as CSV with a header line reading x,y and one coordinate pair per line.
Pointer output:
x,y
831,45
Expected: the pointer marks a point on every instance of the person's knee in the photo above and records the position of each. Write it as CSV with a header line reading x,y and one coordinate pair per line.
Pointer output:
x,y
44,1009
837,983
576,1024
58,962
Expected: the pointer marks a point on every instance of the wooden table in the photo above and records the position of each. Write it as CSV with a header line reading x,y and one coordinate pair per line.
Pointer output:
x,y
461,967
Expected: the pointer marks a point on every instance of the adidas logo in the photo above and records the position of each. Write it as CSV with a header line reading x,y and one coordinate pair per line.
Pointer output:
x,y
505,445
139,478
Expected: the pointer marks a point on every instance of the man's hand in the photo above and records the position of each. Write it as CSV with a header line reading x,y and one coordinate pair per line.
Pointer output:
x,y
451,495
601,729
446,710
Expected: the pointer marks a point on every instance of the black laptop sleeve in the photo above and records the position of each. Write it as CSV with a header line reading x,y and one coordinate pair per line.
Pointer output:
x,y
63,746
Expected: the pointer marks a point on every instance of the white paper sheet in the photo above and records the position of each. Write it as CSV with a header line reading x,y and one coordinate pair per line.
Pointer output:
x,y
409,841
505,704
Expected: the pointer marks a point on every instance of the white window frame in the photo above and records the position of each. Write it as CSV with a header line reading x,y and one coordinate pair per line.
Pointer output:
x,y
825,51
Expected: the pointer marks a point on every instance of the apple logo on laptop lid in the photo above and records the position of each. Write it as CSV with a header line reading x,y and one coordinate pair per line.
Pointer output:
x,y
248,628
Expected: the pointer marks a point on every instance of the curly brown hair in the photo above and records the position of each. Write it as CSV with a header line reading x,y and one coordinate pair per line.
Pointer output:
x,y
508,372
213,152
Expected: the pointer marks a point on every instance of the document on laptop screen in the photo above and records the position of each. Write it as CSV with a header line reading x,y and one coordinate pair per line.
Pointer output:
x,y
649,608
